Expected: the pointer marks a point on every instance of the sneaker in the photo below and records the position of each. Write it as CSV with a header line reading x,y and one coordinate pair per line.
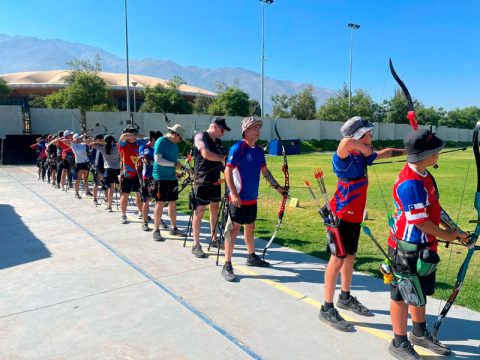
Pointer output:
x,y
227,272
109,209
404,352
95,201
216,242
157,236
334,319
89,194
124,219
428,342
176,232
145,226
77,195
140,216
354,305
164,225
58,186
254,260
197,251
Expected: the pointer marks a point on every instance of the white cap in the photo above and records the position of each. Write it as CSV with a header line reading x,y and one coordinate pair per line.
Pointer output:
x,y
67,132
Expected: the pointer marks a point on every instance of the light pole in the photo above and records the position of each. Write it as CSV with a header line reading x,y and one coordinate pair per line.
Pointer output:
x,y
353,27
134,83
263,51
126,59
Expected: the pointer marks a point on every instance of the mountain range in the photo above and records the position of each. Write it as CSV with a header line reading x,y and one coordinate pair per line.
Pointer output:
x,y
22,53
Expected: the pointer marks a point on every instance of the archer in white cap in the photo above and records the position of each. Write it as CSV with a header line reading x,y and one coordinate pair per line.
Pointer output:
x,y
354,153
245,162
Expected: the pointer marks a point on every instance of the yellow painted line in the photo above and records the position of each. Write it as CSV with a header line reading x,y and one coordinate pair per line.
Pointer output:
x,y
316,304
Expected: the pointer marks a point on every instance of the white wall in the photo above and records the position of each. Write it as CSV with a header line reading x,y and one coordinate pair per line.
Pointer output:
x,y
52,120
10,120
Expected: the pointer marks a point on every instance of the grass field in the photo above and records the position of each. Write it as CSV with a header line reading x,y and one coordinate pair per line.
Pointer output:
x,y
302,228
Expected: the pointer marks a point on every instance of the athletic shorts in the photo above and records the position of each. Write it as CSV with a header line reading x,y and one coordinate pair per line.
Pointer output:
x,y
111,176
205,194
350,233
66,164
427,283
165,190
81,166
130,185
246,214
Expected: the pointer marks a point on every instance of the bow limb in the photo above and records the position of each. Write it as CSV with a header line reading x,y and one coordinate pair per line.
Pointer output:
x,y
472,243
412,117
286,186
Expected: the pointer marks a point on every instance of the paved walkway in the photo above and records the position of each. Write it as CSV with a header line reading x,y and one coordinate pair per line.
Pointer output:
x,y
76,284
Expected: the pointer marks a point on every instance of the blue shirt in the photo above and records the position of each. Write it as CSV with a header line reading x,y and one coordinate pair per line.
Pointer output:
x,y
246,163
146,151
169,151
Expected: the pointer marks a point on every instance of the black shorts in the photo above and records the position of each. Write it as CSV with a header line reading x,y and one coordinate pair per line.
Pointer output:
x,y
165,190
350,233
205,194
111,176
246,214
81,166
130,185
427,283
40,162
66,164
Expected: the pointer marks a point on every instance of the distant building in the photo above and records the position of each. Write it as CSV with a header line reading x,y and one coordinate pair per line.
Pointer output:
x,y
30,84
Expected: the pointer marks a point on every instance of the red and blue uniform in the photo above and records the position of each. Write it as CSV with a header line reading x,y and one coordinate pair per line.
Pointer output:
x,y
416,200
129,154
348,202
246,163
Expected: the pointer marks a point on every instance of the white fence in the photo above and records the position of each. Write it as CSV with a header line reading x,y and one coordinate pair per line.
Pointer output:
x,y
45,121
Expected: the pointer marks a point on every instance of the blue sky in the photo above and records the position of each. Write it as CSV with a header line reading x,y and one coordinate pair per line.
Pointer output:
x,y
434,44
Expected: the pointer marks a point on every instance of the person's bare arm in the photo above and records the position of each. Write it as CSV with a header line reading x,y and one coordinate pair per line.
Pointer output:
x,y
428,227
348,145
390,152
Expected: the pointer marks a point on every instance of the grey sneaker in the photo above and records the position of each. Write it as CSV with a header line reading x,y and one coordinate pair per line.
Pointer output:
x,y
227,272
157,236
254,260
197,251
428,342
109,209
176,232
404,352
77,195
216,242
334,319
124,219
354,305
145,226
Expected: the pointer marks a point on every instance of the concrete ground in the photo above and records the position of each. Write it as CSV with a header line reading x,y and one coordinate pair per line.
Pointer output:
x,y
76,284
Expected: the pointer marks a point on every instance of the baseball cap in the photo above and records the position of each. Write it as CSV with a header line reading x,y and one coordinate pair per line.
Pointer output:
x,y
218,120
67,133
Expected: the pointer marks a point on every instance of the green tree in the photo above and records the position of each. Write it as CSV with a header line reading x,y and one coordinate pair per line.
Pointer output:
x,y
232,102
165,99
430,116
281,106
336,108
37,102
465,118
85,89
303,105
254,108
201,104
397,108
4,89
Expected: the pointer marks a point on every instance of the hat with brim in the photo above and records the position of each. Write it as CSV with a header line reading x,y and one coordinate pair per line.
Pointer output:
x,y
249,122
177,128
421,144
67,133
356,127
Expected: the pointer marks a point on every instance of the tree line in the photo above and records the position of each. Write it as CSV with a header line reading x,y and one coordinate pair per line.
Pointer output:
x,y
87,91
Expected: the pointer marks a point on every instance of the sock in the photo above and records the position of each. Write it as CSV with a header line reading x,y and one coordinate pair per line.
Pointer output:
x,y
399,340
327,306
252,255
419,329
344,295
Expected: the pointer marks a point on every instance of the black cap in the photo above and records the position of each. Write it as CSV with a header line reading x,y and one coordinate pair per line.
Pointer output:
x,y
98,137
421,144
217,120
